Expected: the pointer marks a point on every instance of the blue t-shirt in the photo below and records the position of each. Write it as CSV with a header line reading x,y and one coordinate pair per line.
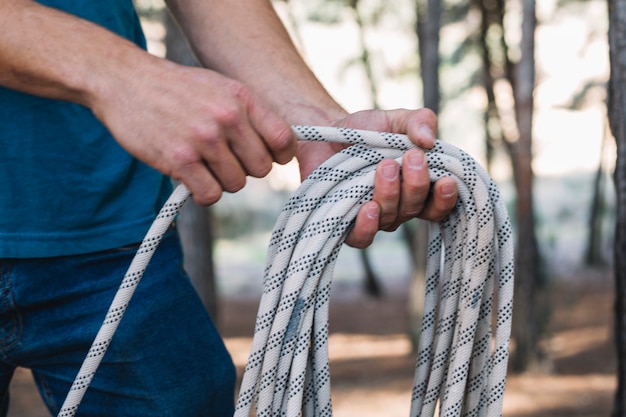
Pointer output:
x,y
67,186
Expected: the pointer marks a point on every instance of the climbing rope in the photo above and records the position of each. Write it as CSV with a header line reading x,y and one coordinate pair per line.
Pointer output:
x,y
462,359
121,299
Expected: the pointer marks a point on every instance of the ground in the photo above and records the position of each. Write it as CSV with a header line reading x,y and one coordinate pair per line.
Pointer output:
x,y
372,367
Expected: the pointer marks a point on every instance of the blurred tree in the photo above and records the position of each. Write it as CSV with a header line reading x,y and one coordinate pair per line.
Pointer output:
x,y
371,281
365,56
513,128
599,207
496,64
617,118
594,254
194,222
329,12
427,28
528,322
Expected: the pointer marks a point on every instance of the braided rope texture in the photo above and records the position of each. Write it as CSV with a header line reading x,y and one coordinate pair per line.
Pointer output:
x,y
470,268
121,300
288,371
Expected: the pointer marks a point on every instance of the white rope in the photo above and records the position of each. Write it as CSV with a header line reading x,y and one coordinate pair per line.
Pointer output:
x,y
122,297
462,359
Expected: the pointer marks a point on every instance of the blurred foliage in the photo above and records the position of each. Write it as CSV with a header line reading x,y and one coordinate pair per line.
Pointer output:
x,y
248,213
334,11
461,63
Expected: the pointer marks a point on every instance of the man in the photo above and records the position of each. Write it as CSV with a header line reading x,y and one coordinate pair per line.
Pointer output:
x,y
92,127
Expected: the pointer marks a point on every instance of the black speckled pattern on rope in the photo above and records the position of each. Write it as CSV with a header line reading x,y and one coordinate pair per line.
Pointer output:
x,y
462,359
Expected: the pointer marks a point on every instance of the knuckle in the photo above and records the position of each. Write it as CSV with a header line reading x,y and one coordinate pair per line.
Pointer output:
x,y
205,134
262,169
184,156
416,183
228,116
411,212
427,115
239,90
283,140
423,182
388,223
392,194
359,242
235,185
208,196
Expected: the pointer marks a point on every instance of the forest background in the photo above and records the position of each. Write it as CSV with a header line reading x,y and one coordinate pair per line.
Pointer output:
x,y
367,54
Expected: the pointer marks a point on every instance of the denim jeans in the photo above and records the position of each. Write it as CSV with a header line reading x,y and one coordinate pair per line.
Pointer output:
x,y
166,359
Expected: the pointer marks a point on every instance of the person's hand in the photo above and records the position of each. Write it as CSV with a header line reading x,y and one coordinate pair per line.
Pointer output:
x,y
196,126
399,193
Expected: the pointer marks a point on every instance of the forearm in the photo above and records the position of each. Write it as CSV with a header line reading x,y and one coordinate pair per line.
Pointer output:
x,y
52,54
246,40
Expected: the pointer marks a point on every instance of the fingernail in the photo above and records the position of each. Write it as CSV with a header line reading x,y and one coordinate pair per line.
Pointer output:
x,y
448,190
372,211
416,160
390,172
426,136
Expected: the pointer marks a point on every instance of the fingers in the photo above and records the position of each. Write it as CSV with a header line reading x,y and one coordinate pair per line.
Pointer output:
x,y
387,192
275,133
444,198
401,197
258,136
401,194
365,226
220,160
203,186
420,125
242,137
415,186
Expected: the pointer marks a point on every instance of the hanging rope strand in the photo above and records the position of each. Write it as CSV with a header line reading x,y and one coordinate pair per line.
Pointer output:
x,y
120,301
288,371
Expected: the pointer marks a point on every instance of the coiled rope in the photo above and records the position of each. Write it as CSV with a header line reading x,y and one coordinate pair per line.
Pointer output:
x,y
462,359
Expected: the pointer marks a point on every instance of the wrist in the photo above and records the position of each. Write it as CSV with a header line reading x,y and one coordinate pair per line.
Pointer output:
x,y
304,113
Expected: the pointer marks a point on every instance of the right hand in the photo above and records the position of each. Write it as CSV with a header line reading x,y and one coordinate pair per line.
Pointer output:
x,y
194,125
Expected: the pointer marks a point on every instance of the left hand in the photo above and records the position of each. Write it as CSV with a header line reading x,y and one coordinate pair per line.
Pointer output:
x,y
395,201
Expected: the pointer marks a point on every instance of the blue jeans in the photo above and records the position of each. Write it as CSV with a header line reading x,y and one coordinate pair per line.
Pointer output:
x,y
166,359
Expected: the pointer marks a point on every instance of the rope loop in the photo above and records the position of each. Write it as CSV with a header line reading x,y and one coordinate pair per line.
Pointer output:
x,y
288,369
462,359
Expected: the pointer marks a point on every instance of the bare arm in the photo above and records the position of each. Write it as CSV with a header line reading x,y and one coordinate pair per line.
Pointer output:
x,y
223,134
246,40
52,54
236,114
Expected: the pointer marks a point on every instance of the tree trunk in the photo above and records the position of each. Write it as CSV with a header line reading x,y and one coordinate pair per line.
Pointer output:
x,y
370,282
530,307
418,239
617,118
492,121
594,253
428,26
364,56
194,222
527,317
